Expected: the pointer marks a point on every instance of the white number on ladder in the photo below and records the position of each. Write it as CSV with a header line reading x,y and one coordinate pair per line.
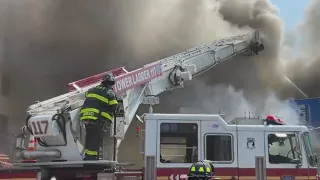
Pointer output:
x,y
40,127
172,177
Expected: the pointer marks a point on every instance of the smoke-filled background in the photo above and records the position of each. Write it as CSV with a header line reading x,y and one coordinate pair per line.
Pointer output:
x,y
46,44
304,69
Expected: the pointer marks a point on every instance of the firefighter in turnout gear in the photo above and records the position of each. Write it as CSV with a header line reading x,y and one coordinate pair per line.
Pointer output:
x,y
201,170
98,109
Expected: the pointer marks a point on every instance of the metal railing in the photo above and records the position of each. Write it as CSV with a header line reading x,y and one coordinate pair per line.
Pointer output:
x,y
260,168
150,170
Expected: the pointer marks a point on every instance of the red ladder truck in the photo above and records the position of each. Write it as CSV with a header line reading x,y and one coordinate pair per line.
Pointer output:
x,y
59,135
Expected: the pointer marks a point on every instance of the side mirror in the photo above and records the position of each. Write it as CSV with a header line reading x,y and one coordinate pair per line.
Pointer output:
x,y
313,159
212,167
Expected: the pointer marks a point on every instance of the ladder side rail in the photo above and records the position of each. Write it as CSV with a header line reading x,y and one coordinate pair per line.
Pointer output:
x,y
50,102
196,50
203,61
94,79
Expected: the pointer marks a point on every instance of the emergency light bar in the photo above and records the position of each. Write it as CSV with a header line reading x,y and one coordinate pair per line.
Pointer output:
x,y
273,120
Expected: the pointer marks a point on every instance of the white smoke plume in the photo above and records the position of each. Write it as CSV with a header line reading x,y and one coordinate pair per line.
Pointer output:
x,y
223,99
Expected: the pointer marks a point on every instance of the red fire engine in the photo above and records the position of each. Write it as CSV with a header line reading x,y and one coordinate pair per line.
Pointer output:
x,y
240,149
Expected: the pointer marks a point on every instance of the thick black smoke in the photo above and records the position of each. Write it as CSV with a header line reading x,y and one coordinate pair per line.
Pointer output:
x,y
47,44
258,76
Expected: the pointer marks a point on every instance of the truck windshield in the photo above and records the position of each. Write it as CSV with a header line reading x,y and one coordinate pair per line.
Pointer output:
x,y
309,153
283,148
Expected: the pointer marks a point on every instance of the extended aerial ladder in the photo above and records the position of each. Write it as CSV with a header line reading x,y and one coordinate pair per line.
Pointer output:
x,y
55,122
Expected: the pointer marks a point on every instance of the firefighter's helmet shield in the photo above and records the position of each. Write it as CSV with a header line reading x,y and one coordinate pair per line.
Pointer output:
x,y
251,143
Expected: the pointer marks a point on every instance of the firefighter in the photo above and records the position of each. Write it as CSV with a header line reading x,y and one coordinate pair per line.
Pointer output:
x,y
98,108
201,170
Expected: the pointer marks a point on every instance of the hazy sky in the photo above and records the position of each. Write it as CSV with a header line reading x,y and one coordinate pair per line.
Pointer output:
x,y
291,11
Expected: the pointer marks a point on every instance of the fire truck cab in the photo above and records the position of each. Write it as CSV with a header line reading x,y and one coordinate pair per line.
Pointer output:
x,y
174,141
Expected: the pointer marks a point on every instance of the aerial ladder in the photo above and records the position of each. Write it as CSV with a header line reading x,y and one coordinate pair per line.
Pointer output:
x,y
55,124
